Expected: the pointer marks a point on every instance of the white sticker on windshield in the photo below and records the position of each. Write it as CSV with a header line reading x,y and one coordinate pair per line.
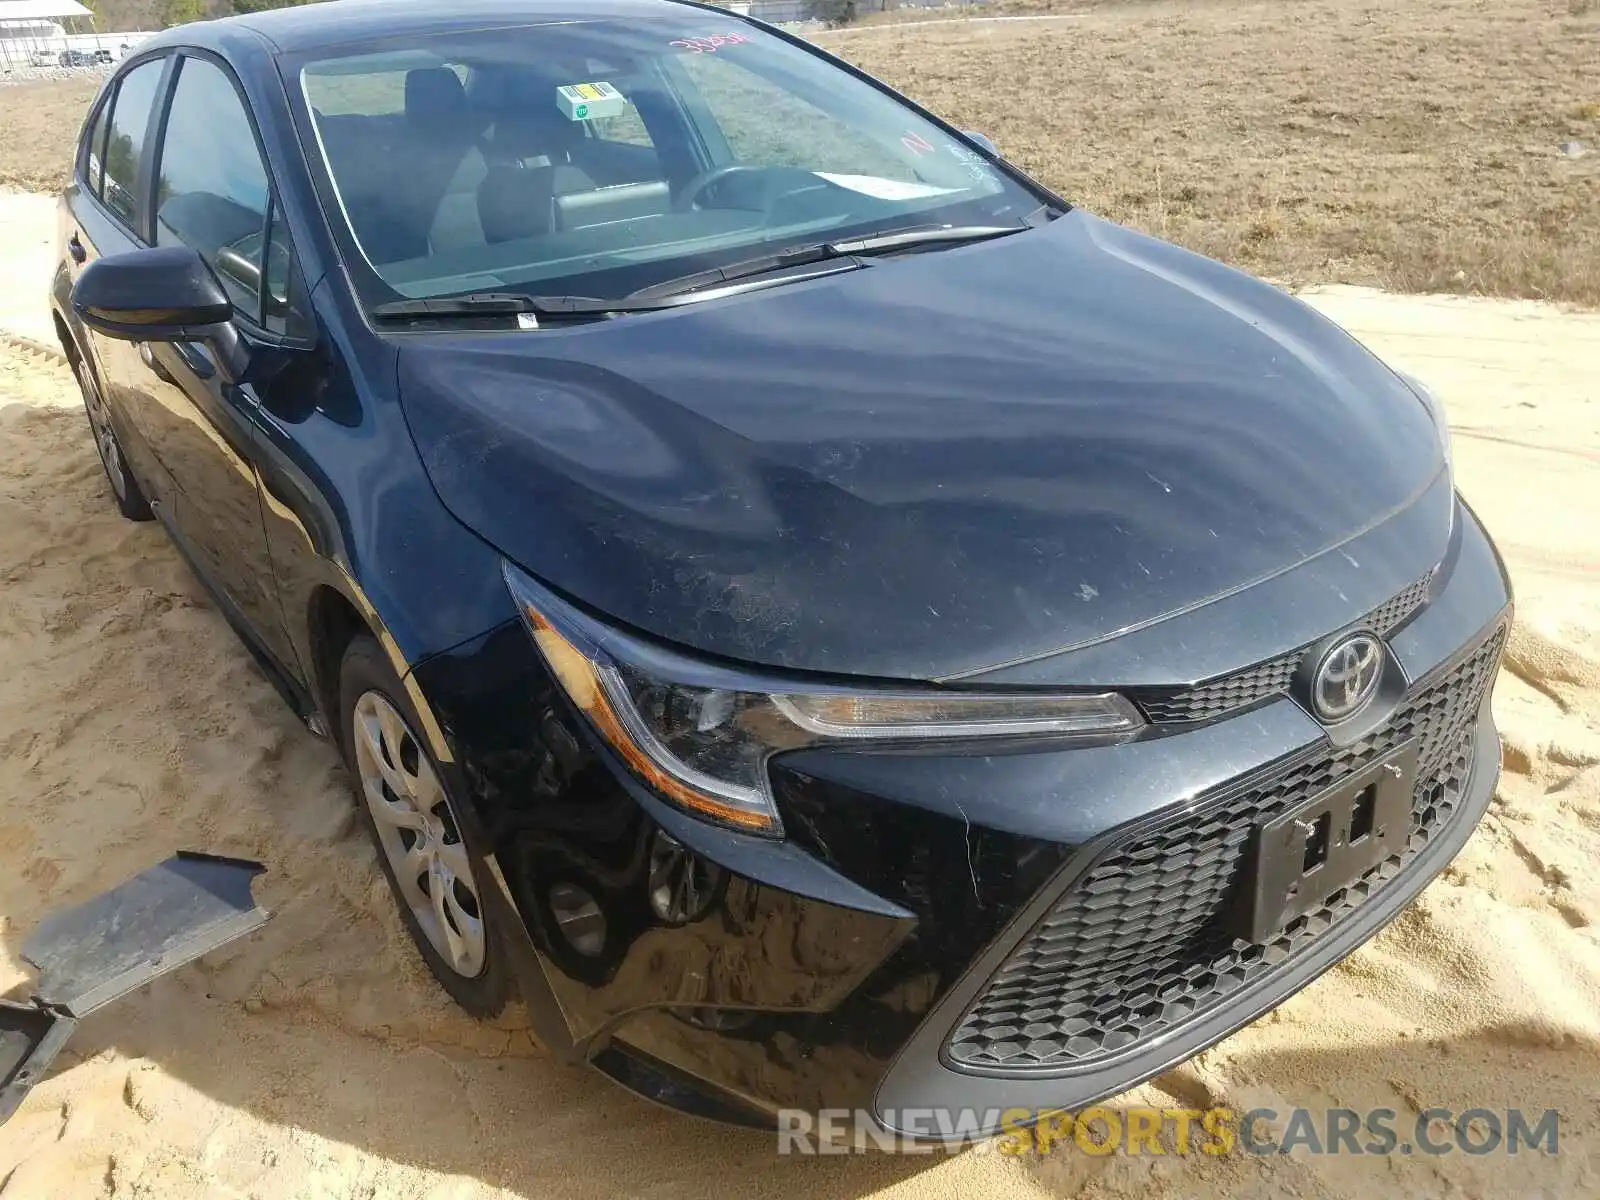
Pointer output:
x,y
589,101
883,189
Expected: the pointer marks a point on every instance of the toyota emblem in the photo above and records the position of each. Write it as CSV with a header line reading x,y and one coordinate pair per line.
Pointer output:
x,y
1346,677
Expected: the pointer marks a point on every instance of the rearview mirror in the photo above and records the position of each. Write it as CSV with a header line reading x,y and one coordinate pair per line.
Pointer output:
x,y
982,139
165,294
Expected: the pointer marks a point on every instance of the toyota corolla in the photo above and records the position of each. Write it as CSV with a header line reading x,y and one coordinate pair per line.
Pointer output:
x,y
819,617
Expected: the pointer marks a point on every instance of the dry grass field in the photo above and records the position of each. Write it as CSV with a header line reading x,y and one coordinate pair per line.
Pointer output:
x,y
1412,144
39,129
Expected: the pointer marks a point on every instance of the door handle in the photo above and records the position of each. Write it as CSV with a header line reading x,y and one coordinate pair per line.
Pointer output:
x,y
75,248
148,357
195,359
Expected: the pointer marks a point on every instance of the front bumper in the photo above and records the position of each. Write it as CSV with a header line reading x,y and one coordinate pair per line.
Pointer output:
x,y
842,967
924,1078
1171,986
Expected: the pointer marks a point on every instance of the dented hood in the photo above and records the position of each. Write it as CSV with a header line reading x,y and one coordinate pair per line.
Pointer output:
x,y
933,465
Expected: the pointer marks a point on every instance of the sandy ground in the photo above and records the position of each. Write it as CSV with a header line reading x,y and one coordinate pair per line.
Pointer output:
x,y
318,1060
27,262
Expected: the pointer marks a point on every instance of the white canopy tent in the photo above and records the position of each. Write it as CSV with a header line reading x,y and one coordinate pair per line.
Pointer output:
x,y
30,11
32,30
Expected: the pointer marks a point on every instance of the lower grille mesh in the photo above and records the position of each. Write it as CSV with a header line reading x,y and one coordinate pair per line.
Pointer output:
x,y
1140,943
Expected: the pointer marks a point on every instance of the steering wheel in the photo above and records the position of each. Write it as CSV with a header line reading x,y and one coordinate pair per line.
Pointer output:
x,y
706,180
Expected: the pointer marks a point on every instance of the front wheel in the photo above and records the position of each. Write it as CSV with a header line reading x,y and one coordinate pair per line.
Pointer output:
x,y
124,487
435,875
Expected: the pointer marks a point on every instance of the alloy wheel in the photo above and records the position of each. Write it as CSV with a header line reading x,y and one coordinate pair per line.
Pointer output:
x,y
419,834
105,437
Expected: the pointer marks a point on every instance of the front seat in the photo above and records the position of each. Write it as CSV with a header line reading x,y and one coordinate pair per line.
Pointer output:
x,y
439,136
530,153
538,135
515,201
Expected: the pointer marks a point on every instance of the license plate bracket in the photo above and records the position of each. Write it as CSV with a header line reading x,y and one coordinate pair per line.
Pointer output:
x,y
1303,856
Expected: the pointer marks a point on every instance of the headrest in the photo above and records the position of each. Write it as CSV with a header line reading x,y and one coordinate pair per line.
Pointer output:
x,y
435,100
538,129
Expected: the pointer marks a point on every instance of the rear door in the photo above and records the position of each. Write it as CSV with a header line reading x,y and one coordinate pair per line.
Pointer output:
x,y
211,191
103,214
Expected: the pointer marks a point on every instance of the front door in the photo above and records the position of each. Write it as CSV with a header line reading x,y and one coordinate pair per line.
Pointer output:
x,y
210,191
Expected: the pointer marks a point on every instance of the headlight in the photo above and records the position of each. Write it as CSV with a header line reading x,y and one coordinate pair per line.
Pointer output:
x,y
1441,423
701,734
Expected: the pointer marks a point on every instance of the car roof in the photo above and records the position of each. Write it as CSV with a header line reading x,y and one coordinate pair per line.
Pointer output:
x,y
336,22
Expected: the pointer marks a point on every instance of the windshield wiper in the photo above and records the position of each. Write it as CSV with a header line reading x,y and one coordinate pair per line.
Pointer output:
x,y
761,264
497,304
847,253
923,235
844,255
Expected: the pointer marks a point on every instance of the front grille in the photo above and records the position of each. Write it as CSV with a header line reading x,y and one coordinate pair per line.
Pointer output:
x,y
1388,616
1141,944
1239,690
1207,701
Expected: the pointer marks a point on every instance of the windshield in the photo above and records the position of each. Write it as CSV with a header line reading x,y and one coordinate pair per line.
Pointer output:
x,y
596,158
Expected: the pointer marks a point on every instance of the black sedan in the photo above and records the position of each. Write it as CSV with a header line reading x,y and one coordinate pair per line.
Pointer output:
x,y
819,617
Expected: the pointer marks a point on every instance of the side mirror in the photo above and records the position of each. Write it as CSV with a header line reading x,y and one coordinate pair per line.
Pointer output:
x,y
982,139
165,294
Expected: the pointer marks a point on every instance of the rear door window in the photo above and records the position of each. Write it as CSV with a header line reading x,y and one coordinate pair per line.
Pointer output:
x,y
125,146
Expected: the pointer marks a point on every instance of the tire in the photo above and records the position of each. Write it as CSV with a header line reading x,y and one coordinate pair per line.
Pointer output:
x,y
125,489
405,803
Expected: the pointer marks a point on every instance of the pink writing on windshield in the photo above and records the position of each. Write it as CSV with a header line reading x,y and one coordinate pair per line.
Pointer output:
x,y
711,43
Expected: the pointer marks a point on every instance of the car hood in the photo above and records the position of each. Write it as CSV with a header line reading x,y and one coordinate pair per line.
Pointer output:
x,y
928,467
